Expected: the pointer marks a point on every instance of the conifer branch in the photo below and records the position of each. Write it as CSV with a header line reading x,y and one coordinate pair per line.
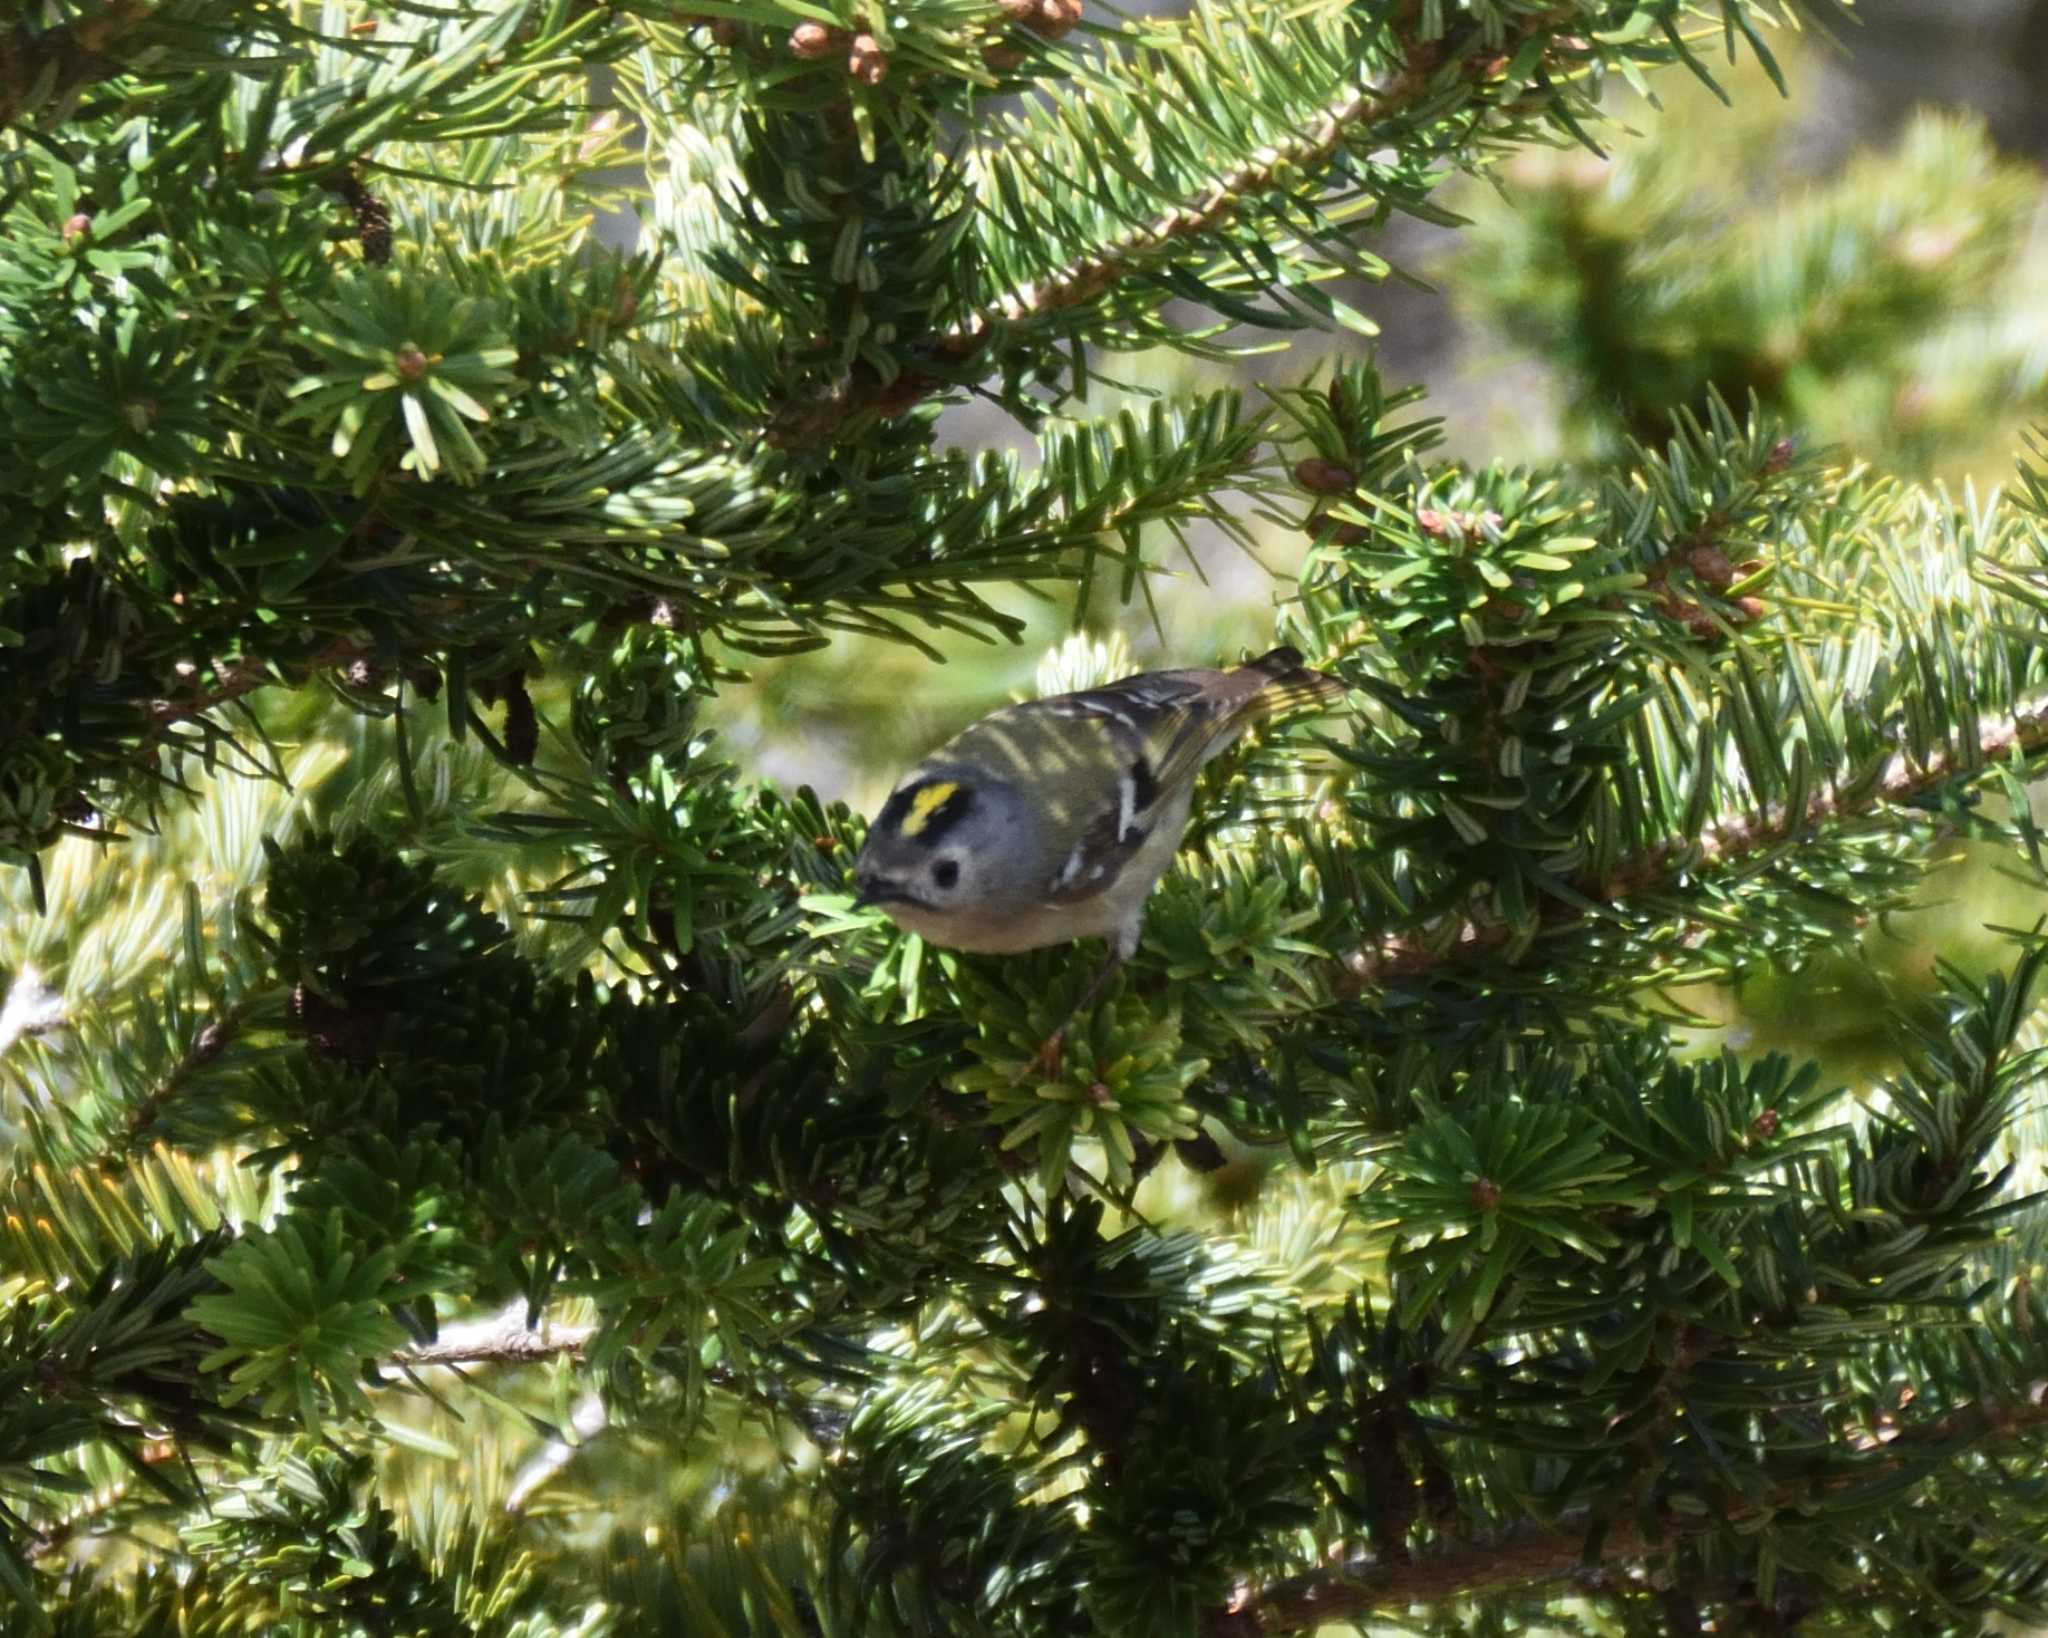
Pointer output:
x,y
1521,1559
506,1339
2025,729
214,1037
1089,276
1531,1558
79,1519
239,678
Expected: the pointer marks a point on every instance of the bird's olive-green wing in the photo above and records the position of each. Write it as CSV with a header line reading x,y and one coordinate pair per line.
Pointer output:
x,y
1175,718
1157,730
1104,760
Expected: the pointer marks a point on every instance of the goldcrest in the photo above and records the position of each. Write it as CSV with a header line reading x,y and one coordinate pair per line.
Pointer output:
x,y
1052,820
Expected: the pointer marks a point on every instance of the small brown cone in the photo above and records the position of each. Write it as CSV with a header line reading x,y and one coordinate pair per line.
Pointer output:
x,y
813,41
1053,18
865,61
1325,477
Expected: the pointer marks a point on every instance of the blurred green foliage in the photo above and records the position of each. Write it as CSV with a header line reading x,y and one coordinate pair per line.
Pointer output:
x,y
1892,304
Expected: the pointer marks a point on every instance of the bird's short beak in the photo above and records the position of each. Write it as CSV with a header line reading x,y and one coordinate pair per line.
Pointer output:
x,y
871,890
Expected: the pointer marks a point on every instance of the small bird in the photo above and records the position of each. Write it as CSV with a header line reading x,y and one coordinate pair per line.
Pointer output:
x,y
1052,820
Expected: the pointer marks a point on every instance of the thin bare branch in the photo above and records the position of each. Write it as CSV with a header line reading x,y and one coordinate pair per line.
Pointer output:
x,y
503,1339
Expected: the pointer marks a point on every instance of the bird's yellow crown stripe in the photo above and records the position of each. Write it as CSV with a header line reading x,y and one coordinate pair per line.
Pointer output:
x,y
926,803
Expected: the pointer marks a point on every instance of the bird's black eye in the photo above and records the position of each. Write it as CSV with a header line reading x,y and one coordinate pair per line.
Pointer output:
x,y
946,872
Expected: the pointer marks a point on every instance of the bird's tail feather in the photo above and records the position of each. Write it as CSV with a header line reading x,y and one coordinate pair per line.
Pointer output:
x,y
1281,682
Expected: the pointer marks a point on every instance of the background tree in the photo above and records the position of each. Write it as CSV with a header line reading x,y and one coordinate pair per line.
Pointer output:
x,y
471,1170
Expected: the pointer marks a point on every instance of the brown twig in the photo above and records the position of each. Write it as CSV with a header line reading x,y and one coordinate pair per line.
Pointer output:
x,y
1521,1559
505,1339
1541,1555
237,678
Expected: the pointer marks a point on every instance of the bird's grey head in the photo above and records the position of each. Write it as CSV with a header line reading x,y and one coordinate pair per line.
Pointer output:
x,y
942,844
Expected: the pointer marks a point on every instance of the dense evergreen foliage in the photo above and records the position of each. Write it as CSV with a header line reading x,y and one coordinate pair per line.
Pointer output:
x,y
468,1167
